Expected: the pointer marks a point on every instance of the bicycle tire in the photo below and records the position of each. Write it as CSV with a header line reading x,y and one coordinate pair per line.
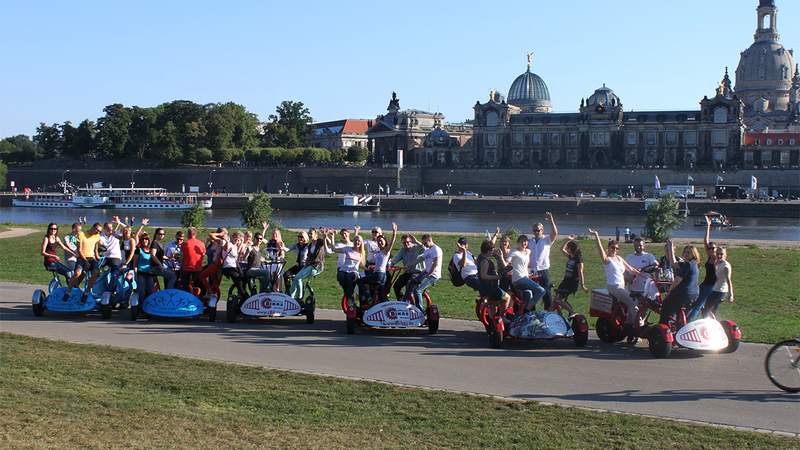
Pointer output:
x,y
770,372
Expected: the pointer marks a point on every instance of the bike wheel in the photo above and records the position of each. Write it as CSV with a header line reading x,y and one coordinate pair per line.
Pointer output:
x,y
783,365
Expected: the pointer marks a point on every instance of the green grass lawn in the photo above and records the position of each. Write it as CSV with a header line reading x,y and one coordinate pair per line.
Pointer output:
x,y
61,395
767,283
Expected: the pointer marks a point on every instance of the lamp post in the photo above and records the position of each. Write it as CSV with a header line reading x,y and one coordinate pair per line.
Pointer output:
x,y
133,183
210,181
64,180
286,181
366,182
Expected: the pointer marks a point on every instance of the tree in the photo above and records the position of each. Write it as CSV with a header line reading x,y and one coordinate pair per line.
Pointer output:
x,y
194,216
142,132
257,211
662,218
69,136
3,172
167,143
48,137
112,131
85,138
357,155
19,148
204,155
290,126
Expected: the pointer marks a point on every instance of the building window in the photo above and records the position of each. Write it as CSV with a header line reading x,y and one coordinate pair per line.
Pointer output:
x,y
769,141
599,138
519,138
651,138
555,139
632,138
720,115
573,139
780,141
671,138
792,142
719,137
491,139
690,138
491,119
536,138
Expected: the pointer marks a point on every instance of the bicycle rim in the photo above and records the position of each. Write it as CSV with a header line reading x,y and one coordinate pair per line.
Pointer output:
x,y
783,365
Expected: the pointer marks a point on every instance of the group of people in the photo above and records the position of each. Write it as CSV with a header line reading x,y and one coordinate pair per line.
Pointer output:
x,y
526,270
187,262
197,266
363,264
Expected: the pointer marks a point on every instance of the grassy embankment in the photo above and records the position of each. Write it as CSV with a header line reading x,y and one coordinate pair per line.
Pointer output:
x,y
61,395
767,283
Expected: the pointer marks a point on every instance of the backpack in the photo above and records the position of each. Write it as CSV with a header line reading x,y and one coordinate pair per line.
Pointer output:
x,y
455,274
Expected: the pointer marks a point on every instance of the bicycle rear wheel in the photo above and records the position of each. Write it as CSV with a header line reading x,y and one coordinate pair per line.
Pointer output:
x,y
783,365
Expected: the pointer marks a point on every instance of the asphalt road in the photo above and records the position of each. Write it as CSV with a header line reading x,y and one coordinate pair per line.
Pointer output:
x,y
721,389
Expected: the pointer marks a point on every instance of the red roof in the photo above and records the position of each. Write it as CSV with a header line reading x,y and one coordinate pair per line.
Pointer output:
x,y
345,126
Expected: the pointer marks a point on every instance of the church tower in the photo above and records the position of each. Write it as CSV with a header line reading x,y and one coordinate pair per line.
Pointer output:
x,y
767,28
765,71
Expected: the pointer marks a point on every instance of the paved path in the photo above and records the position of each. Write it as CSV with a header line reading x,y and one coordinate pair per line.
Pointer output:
x,y
13,232
721,389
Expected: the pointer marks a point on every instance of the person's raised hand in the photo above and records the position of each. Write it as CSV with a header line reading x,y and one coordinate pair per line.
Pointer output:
x,y
146,221
591,231
394,227
548,216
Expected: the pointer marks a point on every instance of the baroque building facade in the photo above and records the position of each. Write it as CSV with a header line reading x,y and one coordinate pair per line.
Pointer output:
x,y
521,131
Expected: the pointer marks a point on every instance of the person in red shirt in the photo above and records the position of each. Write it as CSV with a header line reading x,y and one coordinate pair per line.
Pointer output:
x,y
192,252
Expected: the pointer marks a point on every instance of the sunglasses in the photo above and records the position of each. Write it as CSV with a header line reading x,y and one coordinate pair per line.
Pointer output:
x,y
52,229
613,248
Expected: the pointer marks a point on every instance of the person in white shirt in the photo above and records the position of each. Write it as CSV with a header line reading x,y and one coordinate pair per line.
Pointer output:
x,y
350,263
639,260
433,269
465,261
109,240
373,247
539,246
615,268
520,276
377,276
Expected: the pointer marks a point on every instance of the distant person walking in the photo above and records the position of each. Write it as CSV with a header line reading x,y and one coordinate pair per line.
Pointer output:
x,y
627,234
617,234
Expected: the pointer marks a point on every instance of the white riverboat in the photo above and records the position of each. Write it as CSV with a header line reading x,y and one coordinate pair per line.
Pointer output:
x,y
110,197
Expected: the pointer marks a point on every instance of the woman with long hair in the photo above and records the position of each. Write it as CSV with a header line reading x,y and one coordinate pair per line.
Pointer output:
x,y
350,264
723,286
573,275
319,246
51,243
684,290
142,259
615,267
710,280
489,276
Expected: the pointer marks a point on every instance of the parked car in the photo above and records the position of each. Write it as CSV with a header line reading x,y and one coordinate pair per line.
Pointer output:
x,y
471,194
615,196
549,195
581,194
438,192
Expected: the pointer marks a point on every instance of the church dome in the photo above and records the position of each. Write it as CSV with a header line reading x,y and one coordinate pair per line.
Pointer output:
x,y
529,92
603,96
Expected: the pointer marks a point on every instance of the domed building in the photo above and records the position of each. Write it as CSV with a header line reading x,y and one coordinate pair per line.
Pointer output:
x,y
765,71
529,92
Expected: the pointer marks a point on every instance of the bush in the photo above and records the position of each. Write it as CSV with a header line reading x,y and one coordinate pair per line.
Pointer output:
x,y
357,155
662,218
204,155
252,154
3,172
257,211
194,217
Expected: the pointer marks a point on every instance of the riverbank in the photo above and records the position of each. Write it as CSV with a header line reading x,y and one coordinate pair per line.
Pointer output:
x,y
502,205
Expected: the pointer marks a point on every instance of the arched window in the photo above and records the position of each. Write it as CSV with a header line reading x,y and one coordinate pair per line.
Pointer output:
x,y
491,119
766,22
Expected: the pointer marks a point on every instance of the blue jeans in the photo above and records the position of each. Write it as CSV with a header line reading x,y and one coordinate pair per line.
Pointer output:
x,y
699,304
424,283
169,277
297,284
376,278
531,291
263,278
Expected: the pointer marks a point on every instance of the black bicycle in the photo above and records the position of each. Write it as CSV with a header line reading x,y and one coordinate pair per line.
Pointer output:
x,y
783,365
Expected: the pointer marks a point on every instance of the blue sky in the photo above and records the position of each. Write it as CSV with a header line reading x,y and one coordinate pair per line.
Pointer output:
x,y
67,60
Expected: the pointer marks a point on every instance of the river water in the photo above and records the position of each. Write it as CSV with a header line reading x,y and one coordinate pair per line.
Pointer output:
x,y
745,228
